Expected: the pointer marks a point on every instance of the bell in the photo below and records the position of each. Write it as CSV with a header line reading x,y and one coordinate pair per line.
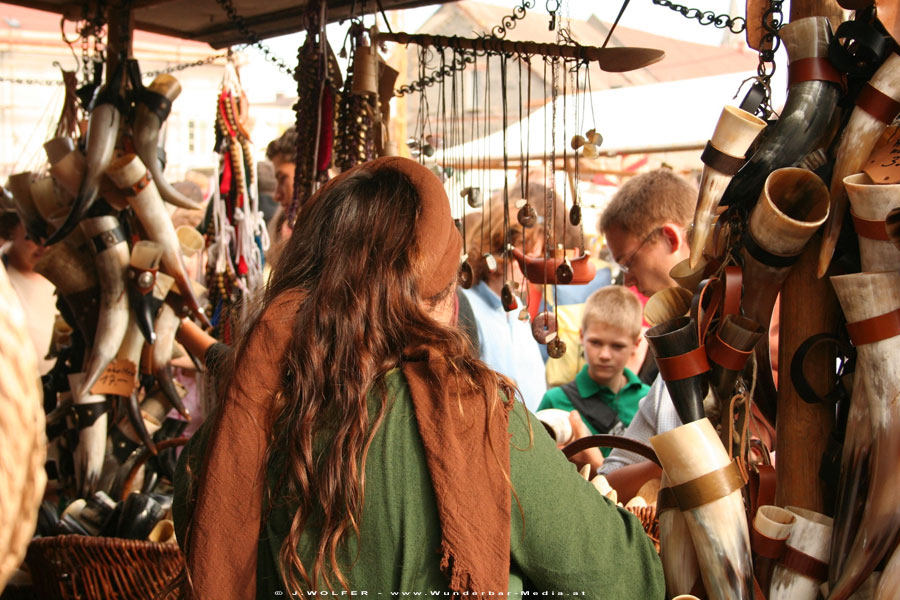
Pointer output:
x,y
556,348
473,198
527,216
575,215
508,298
489,261
365,71
466,276
564,272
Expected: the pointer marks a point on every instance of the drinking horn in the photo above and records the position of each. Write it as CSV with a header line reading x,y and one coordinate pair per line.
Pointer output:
x,y
142,270
152,107
889,582
871,303
791,207
706,486
853,482
128,172
876,106
803,566
676,548
67,169
20,186
70,267
666,304
771,527
50,204
107,239
682,365
102,133
722,158
870,204
91,412
814,87
167,323
728,350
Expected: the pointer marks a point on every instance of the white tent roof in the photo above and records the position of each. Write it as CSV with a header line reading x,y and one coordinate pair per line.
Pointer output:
x,y
645,118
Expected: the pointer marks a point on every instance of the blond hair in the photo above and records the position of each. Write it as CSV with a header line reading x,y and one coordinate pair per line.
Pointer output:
x,y
647,201
616,306
485,227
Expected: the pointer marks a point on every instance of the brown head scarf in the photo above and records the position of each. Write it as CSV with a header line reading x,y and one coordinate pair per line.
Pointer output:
x,y
466,447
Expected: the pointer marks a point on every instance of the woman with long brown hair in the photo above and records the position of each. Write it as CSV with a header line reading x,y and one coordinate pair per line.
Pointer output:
x,y
361,448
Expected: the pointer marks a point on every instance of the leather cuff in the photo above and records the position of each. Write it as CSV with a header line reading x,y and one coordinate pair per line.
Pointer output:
x,y
876,103
714,158
683,366
875,329
869,229
814,68
708,488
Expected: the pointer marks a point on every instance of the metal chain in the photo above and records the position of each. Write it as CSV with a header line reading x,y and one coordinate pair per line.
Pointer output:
x,y
458,64
253,38
708,17
31,81
509,21
197,63
772,21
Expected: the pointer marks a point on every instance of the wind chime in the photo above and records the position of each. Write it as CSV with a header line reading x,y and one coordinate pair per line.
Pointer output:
x,y
238,238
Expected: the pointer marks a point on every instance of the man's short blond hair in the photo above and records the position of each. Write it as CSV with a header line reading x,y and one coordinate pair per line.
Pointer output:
x,y
648,200
615,306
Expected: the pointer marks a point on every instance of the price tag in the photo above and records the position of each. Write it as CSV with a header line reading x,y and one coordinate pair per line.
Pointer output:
x,y
119,378
883,165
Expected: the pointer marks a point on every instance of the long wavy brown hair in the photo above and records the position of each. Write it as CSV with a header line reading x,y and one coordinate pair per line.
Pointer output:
x,y
354,255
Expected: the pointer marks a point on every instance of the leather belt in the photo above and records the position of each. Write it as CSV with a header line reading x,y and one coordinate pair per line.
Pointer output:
x,y
764,256
108,239
804,564
726,356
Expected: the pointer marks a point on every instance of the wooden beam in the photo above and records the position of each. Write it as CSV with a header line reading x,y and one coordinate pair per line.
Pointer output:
x,y
808,306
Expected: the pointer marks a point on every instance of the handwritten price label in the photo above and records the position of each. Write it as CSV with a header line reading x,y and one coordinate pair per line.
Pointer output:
x,y
883,165
119,378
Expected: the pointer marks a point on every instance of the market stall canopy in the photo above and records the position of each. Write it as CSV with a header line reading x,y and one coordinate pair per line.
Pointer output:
x,y
207,20
669,116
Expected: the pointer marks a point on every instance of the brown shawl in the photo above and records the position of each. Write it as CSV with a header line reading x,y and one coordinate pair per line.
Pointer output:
x,y
466,449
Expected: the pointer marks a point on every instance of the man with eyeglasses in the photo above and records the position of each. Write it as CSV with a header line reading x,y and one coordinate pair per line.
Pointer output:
x,y
646,227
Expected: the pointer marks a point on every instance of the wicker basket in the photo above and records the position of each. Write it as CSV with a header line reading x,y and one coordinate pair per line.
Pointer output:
x,y
75,567
645,514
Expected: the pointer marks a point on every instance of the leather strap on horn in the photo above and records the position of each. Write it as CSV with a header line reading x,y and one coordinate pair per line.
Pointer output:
x,y
87,414
876,103
138,186
814,68
804,564
683,366
107,239
665,500
708,488
762,482
876,329
156,102
869,229
714,158
765,546
764,256
135,273
724,355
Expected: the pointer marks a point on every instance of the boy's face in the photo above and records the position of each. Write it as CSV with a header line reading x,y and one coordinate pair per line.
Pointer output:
x,y
606,350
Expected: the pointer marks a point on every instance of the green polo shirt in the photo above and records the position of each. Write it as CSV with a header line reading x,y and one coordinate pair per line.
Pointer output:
x,y
625,402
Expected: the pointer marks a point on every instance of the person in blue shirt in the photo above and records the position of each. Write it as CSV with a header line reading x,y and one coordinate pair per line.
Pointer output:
x,y
505,340
605,393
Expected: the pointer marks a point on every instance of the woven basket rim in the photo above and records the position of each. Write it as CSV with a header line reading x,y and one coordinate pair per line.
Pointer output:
x,y
102,541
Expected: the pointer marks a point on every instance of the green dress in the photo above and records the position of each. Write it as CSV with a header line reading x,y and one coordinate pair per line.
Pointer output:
x,y
566,539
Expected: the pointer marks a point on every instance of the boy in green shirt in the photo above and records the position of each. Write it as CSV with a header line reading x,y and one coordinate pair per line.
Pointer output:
x,y
605,393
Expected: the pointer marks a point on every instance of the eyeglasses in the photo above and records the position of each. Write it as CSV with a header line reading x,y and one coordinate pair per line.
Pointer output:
x,y
625,265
